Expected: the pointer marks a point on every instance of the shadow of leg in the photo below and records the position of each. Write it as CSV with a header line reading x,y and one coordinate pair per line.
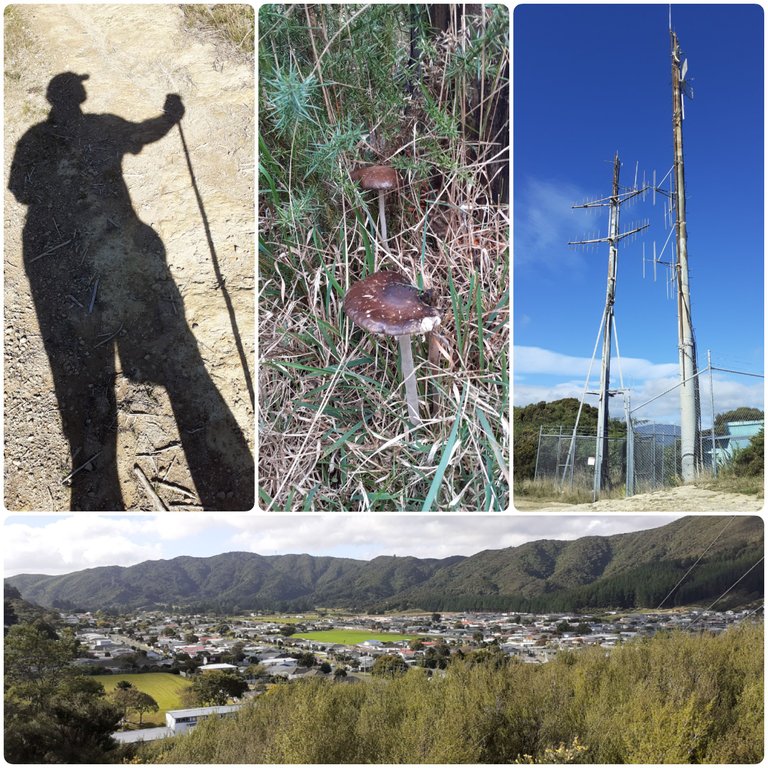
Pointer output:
x,y
162,350
218,456
84,389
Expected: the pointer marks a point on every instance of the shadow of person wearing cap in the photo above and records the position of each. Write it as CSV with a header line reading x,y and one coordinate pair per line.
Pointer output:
x,y
82,239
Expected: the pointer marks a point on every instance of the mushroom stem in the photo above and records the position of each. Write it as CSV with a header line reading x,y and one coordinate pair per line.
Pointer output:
x,y
382,218
409,377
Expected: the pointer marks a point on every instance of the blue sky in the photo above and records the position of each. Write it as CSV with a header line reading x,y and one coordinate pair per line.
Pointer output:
x,y
55,544
591,80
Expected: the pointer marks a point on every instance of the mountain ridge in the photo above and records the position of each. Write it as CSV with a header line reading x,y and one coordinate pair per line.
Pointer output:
x,y
575,573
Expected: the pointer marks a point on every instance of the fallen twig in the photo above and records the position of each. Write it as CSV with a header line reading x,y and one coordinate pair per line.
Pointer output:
x,y
109,338
168,471
93,297
84,464
50,250
155,451
144,480
178,488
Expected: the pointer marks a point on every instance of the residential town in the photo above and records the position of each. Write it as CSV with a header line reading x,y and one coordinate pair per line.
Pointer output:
x,y
158,641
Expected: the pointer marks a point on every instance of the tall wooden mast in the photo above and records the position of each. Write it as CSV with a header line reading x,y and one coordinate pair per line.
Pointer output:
x,y
689,383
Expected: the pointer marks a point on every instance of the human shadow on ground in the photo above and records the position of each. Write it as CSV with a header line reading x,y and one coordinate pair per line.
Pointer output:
x,y
82,238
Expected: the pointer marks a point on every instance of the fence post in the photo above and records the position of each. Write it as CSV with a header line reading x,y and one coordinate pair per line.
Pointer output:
x,y
538,451
630,449
712,404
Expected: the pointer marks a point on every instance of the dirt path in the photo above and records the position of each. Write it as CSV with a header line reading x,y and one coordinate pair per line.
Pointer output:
x,y
168,393
680,499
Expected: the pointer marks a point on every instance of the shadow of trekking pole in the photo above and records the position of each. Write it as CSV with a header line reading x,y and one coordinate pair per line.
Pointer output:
x,y
219,277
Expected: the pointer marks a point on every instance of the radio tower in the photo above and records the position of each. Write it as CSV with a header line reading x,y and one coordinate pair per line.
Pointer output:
x,y
689,382
608,322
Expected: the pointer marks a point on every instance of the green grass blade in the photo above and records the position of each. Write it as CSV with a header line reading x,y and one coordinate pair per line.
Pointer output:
x,y
310,497
479,312
265,498
443,465
457,316
481,417
342,440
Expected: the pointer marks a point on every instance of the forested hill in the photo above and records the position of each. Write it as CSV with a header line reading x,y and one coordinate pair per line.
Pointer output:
x,y
625,570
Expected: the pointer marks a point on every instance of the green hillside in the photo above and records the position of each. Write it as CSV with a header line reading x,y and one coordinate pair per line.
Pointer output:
x,y
539,575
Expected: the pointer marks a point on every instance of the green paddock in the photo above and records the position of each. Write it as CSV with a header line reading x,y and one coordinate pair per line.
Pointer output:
x,y
163,687
352,636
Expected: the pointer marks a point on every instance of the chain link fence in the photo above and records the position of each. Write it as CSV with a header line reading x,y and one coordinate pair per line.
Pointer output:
x,y
650,460
725,427
554,465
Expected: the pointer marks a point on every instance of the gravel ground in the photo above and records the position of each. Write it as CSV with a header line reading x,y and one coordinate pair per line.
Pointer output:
x,y
127,249
686,498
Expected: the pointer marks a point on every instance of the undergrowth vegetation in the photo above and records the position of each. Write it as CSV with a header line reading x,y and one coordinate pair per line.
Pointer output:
x,y
745,472
673,698
229,22
550,490
340,87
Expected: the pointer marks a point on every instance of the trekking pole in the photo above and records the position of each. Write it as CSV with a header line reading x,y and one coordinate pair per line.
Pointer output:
x,y
217,270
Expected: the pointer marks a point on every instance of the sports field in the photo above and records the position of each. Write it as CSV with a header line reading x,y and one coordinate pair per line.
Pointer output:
x,y
352,636
163,687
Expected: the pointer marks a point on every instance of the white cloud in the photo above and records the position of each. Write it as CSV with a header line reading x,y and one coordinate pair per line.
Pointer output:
x,y
644,380
175,527
545,222
66,544
730,393
535,360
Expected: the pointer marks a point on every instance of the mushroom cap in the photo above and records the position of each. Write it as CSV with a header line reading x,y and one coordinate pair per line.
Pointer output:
x,y
376,177
387,302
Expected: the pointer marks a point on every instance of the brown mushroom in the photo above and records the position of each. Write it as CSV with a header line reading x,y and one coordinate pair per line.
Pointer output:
x,y
387,303
382,178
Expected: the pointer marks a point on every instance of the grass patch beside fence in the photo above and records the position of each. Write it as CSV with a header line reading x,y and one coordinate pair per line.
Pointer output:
x,y
730,483
550,491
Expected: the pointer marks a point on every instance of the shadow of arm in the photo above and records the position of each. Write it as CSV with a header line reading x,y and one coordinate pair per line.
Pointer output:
x,y
156,127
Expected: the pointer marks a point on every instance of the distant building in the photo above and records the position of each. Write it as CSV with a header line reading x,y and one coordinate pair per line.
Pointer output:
x,y
181,720
218,668
739,435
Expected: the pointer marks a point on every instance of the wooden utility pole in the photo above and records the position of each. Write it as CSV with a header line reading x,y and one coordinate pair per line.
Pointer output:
x,y
689,382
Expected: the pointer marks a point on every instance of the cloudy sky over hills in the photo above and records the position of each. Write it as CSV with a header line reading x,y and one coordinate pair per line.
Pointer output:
x,y
62,544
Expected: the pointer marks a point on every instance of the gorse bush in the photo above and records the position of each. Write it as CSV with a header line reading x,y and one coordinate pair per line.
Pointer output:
x,y
750,461
343,86
675,698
